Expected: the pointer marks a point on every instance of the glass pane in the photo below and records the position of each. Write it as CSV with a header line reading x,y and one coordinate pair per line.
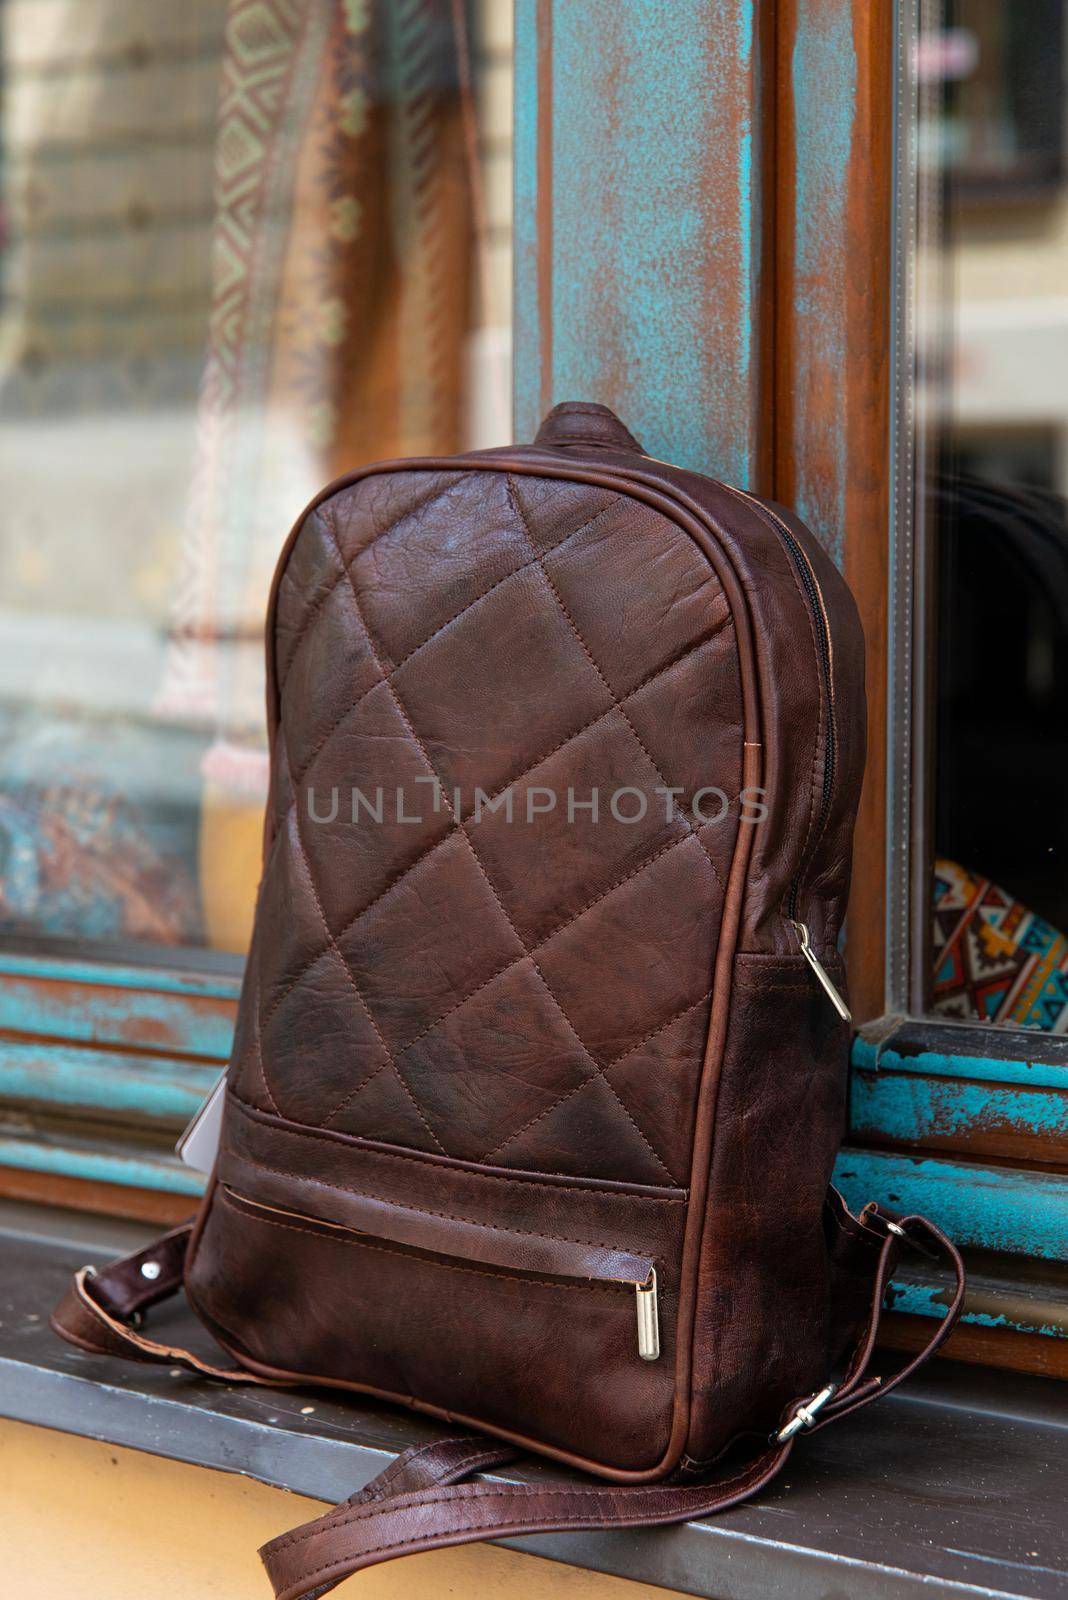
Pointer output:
x,y
995,356
245,247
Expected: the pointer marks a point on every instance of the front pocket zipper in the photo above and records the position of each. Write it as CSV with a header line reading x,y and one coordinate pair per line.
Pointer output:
x,y
521,1254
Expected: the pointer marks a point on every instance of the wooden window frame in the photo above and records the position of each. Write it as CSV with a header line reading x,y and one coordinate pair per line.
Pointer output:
x,y
713,235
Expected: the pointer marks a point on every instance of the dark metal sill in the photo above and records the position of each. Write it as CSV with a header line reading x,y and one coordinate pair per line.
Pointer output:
x,y
954,1488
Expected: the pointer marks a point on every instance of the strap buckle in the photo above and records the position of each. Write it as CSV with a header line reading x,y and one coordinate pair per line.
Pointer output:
x,y
806,1413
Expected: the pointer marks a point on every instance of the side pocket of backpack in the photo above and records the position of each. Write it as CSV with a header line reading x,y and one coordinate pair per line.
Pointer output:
x,y
764,1287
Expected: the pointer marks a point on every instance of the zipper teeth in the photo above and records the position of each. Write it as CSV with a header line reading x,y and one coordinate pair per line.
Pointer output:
x,y
819,612
823,635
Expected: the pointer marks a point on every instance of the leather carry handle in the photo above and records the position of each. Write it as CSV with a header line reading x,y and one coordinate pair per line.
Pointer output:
x,y
423,1500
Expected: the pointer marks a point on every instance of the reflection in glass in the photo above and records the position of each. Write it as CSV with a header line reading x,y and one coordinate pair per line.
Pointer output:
x,y
237,258
994,144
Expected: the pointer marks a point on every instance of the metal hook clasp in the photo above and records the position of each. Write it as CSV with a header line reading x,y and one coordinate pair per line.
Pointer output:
x,y
806,1413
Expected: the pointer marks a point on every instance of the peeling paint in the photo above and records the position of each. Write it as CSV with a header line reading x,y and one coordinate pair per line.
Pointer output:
x,y
655,255
139,1087
902,1107
932,1063
100,1166
824,83
1014,1210
926,1300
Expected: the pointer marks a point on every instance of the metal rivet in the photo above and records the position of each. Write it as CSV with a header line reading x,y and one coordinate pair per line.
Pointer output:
x,y
151,1270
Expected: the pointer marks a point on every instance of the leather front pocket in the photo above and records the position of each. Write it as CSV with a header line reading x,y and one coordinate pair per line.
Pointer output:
x,y
514,1303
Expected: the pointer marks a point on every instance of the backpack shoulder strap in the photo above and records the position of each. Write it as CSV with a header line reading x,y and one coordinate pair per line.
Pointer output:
x,y
425,1498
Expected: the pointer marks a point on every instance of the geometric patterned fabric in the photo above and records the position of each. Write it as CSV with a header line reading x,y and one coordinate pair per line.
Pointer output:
x,y
994,960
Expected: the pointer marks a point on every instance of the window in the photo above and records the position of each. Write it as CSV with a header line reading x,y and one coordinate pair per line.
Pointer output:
x,y
992,325
238,259
245,247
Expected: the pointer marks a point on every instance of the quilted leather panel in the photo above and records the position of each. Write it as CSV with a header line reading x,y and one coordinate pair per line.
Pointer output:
x,y
532,993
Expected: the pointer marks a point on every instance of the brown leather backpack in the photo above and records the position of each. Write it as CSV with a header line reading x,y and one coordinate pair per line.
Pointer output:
x,y
540,1066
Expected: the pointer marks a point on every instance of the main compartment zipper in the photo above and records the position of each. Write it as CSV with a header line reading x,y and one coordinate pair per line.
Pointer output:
x,y
814,596
818,610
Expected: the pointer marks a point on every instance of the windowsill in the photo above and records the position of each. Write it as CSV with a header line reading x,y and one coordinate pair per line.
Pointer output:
x,y
950,1484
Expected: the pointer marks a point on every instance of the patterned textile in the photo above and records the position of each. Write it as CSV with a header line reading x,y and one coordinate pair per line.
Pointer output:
x,y
993,959
340,302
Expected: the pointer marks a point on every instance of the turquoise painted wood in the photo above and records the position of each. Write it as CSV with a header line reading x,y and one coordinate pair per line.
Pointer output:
x,y
78,1081
638,238
999,1208
1048,1069
100,1164
184,1013
956,1100
930,1300
817,400
917,1111
224,985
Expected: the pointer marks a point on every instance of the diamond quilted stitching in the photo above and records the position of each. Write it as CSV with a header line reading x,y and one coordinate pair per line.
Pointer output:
x,y
379,1102
320,1042
381,1108
286,903
497,1061
586,1134
656,1077
310,577
391,1062
640,954
371,752
606,579
555,507
331,672
474,714
431,941
548,864
409,587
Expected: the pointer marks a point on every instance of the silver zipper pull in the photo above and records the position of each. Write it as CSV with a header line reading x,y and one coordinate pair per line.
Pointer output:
x,y
648,1318
820,970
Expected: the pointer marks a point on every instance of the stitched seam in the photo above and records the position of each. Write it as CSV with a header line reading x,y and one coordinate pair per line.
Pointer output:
x,y
393,884
436,493
388,676
528,955
513,497
402,711
766,518
311,611
629,1051
356,989
657,672
451,1467
260,1063
390,1475
374,1492
422,1211
406,719
603,894
425,1261
302,1131
518,778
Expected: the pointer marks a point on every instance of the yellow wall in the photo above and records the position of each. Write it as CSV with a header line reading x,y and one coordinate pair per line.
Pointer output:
x,y
87,1521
